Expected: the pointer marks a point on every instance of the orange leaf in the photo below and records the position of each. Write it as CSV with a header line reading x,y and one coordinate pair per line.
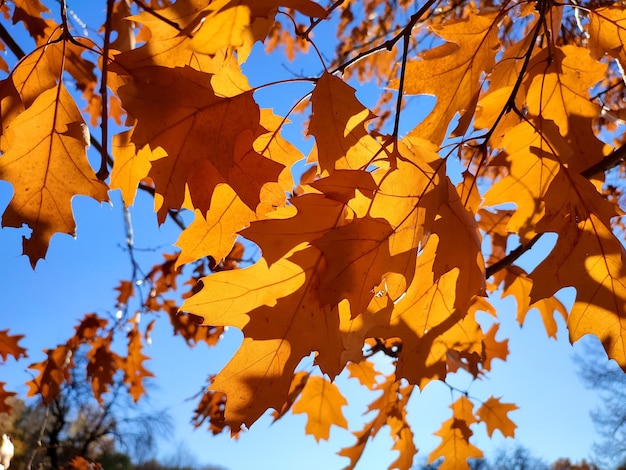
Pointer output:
x,y
215,234
4,396
134,371
298,382
338,124
453,71
365,373
9,346
47,165
492,348
226,23
322,401
131,166
52,373
559,88
178,110
455,433
283,295
494,415
607,33
102,366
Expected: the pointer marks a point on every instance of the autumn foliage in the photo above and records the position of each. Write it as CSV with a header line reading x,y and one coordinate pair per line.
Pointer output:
x,y
404,226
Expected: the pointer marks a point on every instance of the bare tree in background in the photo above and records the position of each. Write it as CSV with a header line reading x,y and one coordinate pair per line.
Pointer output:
x,y
608,379
74,424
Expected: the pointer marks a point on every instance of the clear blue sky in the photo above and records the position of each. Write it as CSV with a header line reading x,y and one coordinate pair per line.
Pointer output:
x,y
79,276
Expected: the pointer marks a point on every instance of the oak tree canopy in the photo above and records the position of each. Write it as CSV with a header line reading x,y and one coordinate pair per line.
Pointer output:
x,y
402,228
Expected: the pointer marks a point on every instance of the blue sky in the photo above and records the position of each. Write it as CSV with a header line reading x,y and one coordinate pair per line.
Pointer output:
x,y
79,276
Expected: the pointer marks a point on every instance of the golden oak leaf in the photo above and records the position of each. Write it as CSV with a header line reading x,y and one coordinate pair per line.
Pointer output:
x,y
492,348
389,409
9,346
41,69
102,366
11,106
530,158
30,11
459,251
463,410
494,414
215,234
607,33
165,45
455,447
453,71
4,396
355,452
322,401
46,163
273,146
278,309
518,284
208,139
547,308
277,236
131,166
590,258
428,323
53,372
239,23
364,372
34,75
132,365
560,83
376,252
298,382
338,124
403,442
122,26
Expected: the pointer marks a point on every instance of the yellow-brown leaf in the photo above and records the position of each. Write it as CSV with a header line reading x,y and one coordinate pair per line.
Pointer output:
x,y
322,401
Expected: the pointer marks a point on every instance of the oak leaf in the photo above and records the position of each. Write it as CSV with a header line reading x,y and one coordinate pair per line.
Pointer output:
x,y
9,346
4,396
607,33
492,348
338,124
132,365
452,72
559,86
102,366
298,382
494,414
239,23
455,447
283,295
322,401
364,372
47,165
52,373
208,139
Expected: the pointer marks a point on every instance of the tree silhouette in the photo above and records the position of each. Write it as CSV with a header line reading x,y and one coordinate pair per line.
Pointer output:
x,y
401,229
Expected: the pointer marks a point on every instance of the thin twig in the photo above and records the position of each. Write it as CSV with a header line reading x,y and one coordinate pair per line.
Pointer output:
x,y
103,172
